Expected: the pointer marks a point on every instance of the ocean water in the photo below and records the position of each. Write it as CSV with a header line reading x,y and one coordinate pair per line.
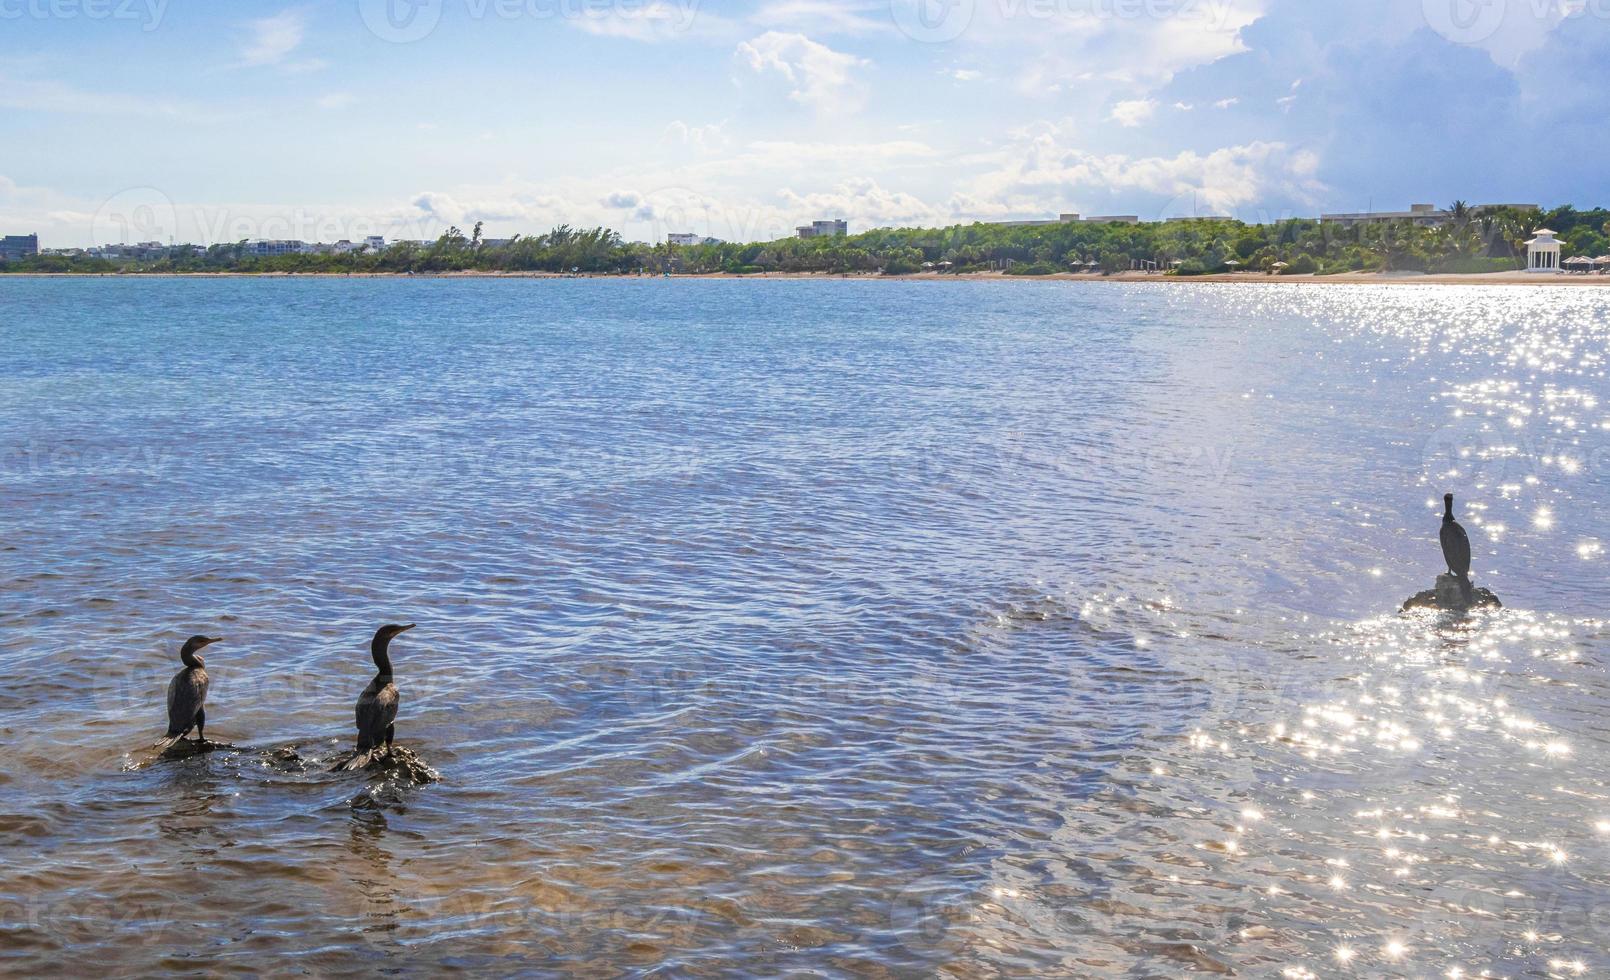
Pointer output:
x,y
848,628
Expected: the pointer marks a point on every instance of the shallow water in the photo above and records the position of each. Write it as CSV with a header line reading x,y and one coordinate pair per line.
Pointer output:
x,y
851,627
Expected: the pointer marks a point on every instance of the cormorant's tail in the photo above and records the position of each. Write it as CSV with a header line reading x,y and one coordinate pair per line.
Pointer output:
x,y
1467,588
356,760
168,742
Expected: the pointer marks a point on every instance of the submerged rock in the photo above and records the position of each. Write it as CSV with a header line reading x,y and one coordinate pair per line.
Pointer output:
x,y
187,747
1449,596
399,770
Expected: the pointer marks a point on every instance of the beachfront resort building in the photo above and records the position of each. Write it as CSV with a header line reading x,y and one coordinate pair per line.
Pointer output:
x,y
276,247
1543,252
824,229
1424,215
14,247
689,238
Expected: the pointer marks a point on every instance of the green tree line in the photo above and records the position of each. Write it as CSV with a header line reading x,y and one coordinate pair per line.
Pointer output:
x,y
1471,241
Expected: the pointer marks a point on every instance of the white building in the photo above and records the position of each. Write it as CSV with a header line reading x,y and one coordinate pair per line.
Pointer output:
x,y
375,243
824,229
1424,215
276,247
1543,252
689,238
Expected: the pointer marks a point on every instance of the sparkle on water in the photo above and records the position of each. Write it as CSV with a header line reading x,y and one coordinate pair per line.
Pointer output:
x,y
828,626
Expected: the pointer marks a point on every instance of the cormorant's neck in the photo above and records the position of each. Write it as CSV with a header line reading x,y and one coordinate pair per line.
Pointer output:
x,y
377,649
1447,510
191,659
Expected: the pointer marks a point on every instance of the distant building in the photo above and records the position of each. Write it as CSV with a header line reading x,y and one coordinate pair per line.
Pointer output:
x,y
824,229
689,238
375,243
1424,215
1069,219
139,250
1543,252
1198,217
14,247
1061,219
277,247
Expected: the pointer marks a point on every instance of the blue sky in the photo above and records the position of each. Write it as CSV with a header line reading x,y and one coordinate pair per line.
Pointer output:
x,y
211,121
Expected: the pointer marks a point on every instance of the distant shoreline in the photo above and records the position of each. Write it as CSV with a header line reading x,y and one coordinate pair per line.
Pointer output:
x,y
1517,278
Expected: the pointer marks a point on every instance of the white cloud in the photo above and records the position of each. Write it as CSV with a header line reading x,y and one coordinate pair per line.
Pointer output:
x,y
813,74
1041,173
966,74
1135,112
710,138
1226,103
1102,49
271,40
334,100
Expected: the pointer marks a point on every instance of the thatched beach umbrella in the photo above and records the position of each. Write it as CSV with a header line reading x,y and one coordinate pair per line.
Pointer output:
x,y
1279,266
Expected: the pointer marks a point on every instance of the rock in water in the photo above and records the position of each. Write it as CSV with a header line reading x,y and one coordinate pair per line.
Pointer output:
x,y
1448,595
400,770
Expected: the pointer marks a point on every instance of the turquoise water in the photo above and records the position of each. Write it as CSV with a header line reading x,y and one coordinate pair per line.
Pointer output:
x,y
835,626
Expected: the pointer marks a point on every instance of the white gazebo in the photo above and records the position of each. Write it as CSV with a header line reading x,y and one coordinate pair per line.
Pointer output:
x,y
1543,252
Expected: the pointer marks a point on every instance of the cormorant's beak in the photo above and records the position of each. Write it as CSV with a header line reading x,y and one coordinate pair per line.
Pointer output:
x,y
404,629
210,640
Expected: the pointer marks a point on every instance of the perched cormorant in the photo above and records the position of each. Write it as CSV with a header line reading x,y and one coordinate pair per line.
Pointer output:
x,y
1456,548
187,694
377,705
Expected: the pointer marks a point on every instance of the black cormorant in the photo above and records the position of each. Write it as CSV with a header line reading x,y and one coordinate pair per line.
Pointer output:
x,y
187,694
1456,548
377,705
